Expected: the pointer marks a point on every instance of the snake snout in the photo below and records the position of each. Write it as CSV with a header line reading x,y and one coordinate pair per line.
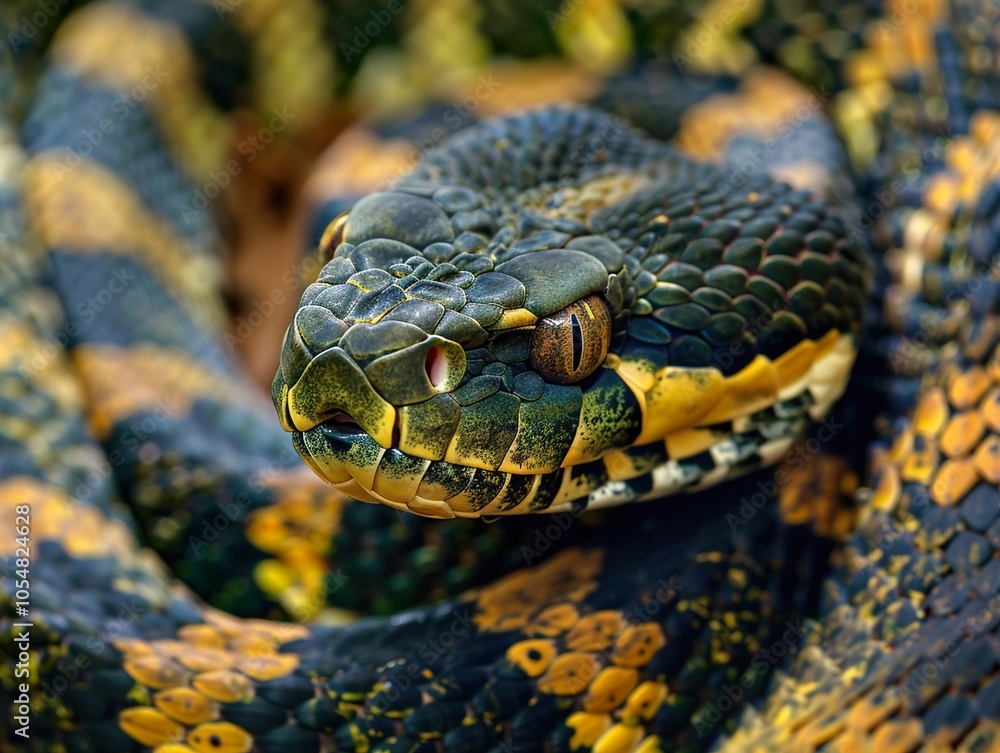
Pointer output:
x,y
361,383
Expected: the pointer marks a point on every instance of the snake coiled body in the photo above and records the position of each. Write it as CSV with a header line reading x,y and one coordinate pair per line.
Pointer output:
x,y
551,313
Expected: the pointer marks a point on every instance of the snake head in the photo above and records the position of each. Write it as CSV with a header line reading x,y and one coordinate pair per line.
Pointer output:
x,y
423,363
484,341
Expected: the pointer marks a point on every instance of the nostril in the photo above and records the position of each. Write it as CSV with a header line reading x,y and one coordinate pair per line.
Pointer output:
x,y
436,366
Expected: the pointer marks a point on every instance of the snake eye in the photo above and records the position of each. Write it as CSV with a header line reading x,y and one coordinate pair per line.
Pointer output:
x,y
568,345
333,236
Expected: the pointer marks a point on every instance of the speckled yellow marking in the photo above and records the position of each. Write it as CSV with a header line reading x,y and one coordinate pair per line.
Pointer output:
x,y
610,689
368,408
989,409
644,702
156,672
587,728
954,479
532,656
514,600
186,706
150,727
595,632
553,621
570,673
399,488
298,528
636,644
572,488
987,459
220,737
225,686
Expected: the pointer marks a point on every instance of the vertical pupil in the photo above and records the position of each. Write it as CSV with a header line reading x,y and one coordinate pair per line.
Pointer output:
x,y
577,342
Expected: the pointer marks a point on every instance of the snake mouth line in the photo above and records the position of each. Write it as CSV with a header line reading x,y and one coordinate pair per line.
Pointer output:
x,y
342,423
750,433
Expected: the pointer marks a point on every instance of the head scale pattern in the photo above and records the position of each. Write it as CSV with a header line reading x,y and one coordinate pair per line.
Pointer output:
x,y
545,313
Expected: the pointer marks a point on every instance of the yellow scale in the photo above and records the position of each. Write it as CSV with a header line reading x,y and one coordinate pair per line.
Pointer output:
x,y
677,404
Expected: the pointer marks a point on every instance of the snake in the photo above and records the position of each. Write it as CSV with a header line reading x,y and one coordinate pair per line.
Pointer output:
x,y
664,420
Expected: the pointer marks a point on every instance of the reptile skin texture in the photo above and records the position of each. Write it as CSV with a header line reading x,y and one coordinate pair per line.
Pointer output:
x,y
655,410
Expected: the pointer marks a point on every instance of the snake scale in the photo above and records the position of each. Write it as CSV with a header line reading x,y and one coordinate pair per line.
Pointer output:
x,y
551,312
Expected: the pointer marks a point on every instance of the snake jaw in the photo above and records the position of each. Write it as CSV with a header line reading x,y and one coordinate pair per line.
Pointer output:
x,y
617,330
